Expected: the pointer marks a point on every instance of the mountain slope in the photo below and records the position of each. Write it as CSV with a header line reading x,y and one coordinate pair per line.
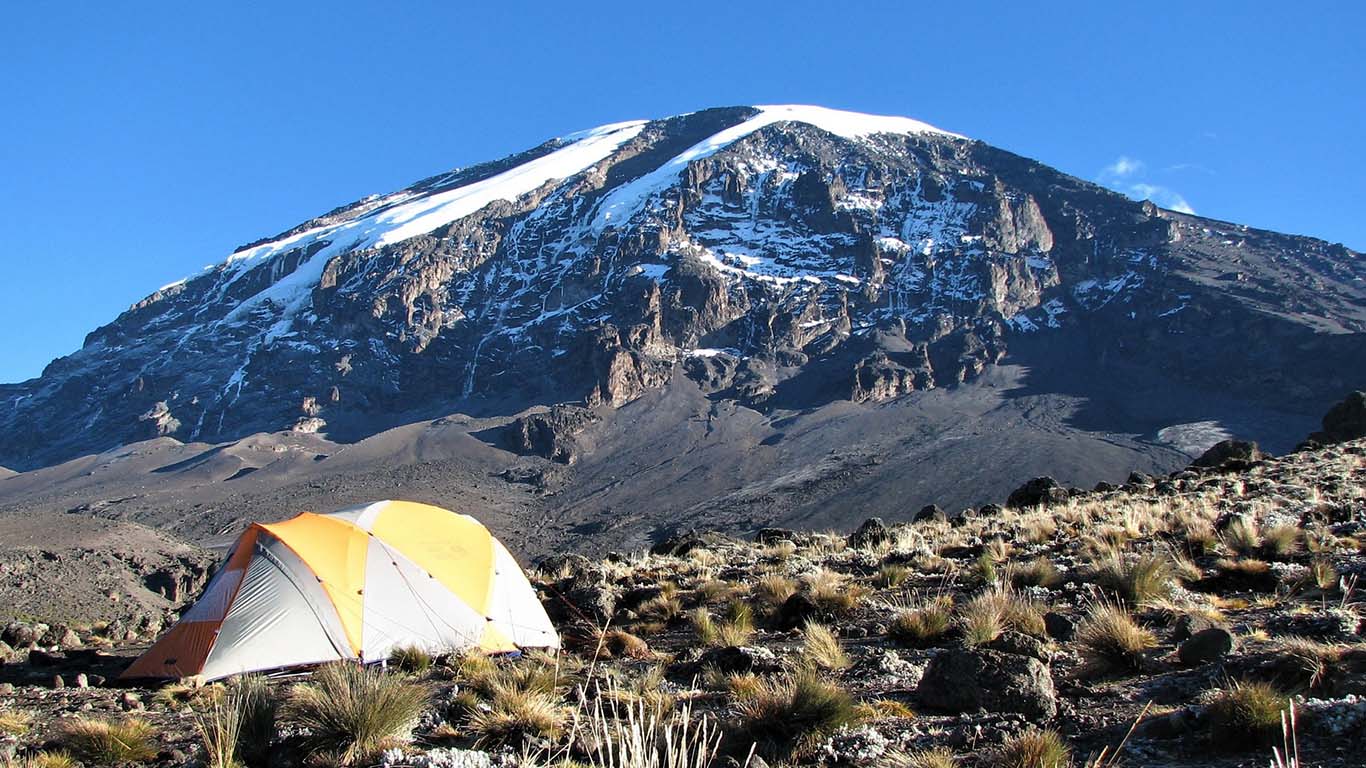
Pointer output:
x,y
802,282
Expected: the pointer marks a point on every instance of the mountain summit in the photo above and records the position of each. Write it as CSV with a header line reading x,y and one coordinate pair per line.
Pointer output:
x,y
779,258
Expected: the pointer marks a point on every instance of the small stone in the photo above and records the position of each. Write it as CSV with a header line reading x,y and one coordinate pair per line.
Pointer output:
x,y
131,702
872,533
1059,627
57,682
1206,646
82,681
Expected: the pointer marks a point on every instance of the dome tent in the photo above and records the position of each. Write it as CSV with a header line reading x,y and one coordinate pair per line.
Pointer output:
x,y
353,584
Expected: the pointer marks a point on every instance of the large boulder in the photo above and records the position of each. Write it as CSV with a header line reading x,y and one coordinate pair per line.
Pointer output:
x,y
549,435
1344,421
968,679
1036,492
872,533
1230,455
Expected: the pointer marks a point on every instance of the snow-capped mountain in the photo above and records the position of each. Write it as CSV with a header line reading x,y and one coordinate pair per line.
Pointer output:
x,y
780,256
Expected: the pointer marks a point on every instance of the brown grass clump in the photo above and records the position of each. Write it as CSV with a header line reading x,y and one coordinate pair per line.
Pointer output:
x,y
736,628
410,659
515,715
789,717
1281,541
938,757
1324,575
1111,641
773,589
15,722
891,575
821,649
1242,537
884,709
663,607
832,592
109,742
1246,714
350,713
714,591
1244,574
620,644
1034,748
923,624
993,611
1039,572
1135,580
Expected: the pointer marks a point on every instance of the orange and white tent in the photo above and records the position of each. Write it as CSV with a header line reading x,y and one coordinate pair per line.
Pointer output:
x,y
354,584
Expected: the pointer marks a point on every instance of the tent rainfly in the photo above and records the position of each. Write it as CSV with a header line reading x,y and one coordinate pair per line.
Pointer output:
x,y
354,584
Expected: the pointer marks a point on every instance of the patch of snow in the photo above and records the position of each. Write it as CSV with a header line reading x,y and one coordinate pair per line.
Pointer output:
x,y
624,202
1193,438
712,352
418,216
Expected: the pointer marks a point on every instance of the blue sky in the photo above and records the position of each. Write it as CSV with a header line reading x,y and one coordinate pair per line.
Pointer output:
x,y
142,141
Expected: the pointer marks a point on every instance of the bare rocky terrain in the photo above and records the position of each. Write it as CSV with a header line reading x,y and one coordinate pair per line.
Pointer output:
x,y
1167,619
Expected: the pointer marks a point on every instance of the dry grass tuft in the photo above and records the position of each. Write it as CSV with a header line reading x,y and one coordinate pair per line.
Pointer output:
x,y
821,649
884,709
1034,748
832,592
1111,641
15,722
350,713
410,659
109,742
774,589
922,624
891,575
1246,714
993,611
789,717
736,628
1136,581
1039,572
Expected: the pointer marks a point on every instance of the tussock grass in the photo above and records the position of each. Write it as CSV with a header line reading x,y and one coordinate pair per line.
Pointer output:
x,y
891,575
993,611
513,715
636,736
715,591
938,757
620,644
662,607
1038,572
1111,641
1246,714
832,592
789,717
1136,581
350,713
15,722
1034,748
737,628
922,624
1323,574
237,727
773,589
410,659
1242,536
884,709
1282,541
821,649
109,742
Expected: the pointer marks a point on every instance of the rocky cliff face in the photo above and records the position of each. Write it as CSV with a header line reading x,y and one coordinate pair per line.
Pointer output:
x,y
781,257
